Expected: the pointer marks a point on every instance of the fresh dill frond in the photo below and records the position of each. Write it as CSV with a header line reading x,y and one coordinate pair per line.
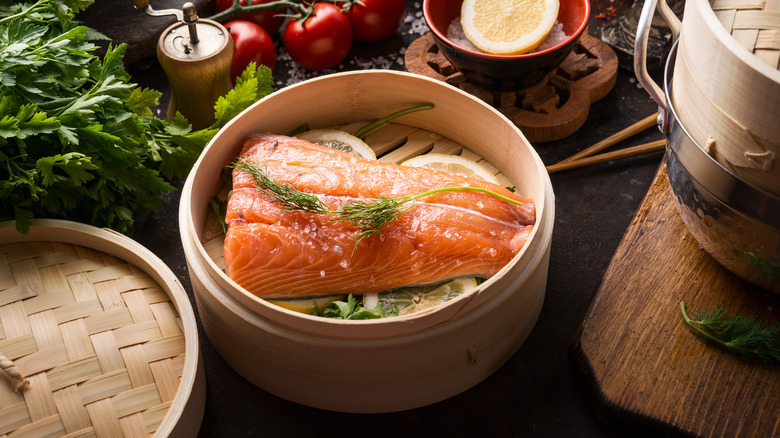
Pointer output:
x,y
742,335
368,216
284,193
371,217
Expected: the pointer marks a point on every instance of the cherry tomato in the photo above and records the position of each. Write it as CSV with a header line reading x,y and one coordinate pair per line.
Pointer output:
x,y
321,41
376,19
270,21
250,44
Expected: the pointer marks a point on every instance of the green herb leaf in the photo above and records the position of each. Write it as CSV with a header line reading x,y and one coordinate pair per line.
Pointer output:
x,y
253,84
742,335
79,140
362,132
353,309
76,166
219,208
27,121
143,101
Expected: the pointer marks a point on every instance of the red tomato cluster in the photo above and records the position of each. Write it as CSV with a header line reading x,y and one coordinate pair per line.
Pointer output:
x,y
375,20
318,41
324,39
251,36
250,44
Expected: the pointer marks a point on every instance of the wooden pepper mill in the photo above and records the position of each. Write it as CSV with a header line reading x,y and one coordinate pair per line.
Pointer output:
x,y
195,55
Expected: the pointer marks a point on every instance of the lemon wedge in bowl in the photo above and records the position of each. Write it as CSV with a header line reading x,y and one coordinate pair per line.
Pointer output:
x,y
339,140
508,27
452,164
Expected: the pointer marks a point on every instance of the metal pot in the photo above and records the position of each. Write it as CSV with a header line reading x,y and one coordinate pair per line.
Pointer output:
x,y
737,223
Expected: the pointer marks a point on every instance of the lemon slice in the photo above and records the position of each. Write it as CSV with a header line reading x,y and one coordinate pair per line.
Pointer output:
x,y
508,27
339,140
413,299
452,164
306,305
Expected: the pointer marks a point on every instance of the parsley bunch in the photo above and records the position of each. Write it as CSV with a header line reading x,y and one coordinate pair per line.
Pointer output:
x,y
79,140
353,309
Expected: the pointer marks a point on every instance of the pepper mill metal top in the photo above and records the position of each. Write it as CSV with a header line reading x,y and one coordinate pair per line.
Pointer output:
x,y
179,43
192,38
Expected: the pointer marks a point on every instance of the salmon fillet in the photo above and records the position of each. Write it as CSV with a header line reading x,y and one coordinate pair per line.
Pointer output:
x,y
277,253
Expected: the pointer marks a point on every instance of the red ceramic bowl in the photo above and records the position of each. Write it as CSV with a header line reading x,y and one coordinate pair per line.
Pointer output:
x,y
505,72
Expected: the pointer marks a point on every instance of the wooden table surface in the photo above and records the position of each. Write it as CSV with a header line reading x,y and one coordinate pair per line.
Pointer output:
x,y
541,390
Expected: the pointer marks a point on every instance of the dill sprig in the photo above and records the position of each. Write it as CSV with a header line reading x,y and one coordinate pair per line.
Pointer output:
x,y
742,335
372,216
283,193
368,216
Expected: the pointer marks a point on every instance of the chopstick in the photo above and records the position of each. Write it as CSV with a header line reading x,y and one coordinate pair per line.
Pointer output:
x,y
653,146
614,138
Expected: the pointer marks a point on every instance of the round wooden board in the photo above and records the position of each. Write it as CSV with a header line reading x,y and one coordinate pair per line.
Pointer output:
x,y
551,110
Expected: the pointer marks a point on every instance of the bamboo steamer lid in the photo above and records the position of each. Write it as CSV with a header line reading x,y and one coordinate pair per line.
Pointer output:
x,y
97,337
726,85
754,24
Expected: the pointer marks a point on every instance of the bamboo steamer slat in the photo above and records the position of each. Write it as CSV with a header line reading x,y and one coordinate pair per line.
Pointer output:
x,y
754,24
103,332
411,360
725,91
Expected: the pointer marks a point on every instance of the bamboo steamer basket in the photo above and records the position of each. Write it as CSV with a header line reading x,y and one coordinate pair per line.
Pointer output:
x,y
727,85
736,222
97,335
399,363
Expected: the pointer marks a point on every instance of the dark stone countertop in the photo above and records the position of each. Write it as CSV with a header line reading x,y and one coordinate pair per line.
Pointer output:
x,y
538,391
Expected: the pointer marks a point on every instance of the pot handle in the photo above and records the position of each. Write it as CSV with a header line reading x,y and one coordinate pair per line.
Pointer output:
x,y
640,53
671,19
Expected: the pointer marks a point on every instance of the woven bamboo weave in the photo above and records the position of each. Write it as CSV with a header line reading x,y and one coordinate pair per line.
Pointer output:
x,y
755,24
97,340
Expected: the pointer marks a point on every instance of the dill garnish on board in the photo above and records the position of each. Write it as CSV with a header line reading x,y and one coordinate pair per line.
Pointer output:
x,y
742,335
369,217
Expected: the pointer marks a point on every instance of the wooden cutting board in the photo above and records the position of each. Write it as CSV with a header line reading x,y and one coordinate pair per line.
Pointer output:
x,y
640,360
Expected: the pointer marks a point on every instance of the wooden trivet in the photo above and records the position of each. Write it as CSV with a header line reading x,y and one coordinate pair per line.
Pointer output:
x,y
551,110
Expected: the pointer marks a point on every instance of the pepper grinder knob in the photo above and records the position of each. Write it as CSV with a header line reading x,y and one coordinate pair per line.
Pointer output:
x,y
191,18
195,55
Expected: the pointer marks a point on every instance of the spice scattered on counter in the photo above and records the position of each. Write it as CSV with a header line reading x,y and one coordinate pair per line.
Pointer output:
x,y
610,12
